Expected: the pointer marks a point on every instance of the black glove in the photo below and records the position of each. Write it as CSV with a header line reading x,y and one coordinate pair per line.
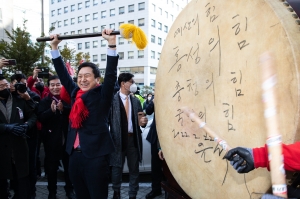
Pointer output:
x,y
16,129
241,159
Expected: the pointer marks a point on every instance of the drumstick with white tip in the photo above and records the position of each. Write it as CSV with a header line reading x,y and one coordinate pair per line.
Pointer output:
x,y
204,126
274,141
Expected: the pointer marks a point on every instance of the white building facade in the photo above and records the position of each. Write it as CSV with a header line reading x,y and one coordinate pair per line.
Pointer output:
x,y
6,18
155,17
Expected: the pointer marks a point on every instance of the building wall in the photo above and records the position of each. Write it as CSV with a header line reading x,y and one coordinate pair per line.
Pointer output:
x,y
154,12
6,17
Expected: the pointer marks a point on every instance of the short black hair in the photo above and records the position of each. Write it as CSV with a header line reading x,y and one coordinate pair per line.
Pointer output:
x,y
17,77
96,70
2,77
52,78
124,77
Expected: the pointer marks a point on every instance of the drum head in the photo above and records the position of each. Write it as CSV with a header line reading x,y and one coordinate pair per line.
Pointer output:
x,y
210,63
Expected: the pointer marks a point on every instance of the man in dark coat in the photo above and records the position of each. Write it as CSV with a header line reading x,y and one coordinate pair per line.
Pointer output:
x,y
16,117
32,133
156,163
53,113
89,142
126,133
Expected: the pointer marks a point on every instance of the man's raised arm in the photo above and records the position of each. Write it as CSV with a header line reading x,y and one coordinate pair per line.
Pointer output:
x,y
60,67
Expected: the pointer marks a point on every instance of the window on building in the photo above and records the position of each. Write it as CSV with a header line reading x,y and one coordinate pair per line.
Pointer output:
x,y
153,23
166,14
52,1
79,46
87,17
59,47
112,26
72,21
121,40
159,41
158,56
166,29
152,38
141,22
159,26
142,6
79,6
87,30
172,4
152,54
66,22
95,16
95,44
130,55
65,33
103,14
121,10
87,4
153,70
160,11
73,8
59,24
52,13
103,43
131,8
79,19
120,23
95,29
95,2
79,31
72,32
121,55
95,58
103,1
131,21
153,7
66,9
171,17
102,28
87,45
167,1
103,57
140,54
58,1
112,12
59,11
53,24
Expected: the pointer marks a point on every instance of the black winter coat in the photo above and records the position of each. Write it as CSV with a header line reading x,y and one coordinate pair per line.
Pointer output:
x,y
54,128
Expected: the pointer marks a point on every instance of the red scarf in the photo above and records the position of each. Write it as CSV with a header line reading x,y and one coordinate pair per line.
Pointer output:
x,y
79,111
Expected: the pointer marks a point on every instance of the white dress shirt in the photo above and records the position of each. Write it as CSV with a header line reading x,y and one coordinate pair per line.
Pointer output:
x,y
123,98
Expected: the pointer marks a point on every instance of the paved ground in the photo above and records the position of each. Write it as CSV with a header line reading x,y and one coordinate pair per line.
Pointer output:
x,y
42,191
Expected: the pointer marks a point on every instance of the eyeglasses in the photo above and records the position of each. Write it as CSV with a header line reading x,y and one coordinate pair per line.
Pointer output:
x,y
132,81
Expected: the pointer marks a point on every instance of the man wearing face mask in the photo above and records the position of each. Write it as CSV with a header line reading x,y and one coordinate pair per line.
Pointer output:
x,y
32,139
16,118
37,84
125,121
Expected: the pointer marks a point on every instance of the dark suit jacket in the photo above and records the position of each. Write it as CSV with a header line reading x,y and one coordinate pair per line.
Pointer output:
x,y
14,146
152,135
94,136
54,128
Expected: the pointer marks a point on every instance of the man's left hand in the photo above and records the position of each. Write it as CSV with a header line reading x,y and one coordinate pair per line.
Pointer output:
x,y
60,106
143,121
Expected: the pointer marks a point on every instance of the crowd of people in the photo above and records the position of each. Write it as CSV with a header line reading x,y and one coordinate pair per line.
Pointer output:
x,y
90,128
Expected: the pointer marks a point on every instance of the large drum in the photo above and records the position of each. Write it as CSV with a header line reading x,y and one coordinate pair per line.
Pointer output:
x,y
210,63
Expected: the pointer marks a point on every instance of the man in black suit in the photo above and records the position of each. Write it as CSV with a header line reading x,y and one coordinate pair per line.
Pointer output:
x,y
53,113
16,118
156,163
89,142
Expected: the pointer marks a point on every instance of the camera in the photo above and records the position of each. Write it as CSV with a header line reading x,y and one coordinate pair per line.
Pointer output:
x,y
44,72
20,86
12,62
